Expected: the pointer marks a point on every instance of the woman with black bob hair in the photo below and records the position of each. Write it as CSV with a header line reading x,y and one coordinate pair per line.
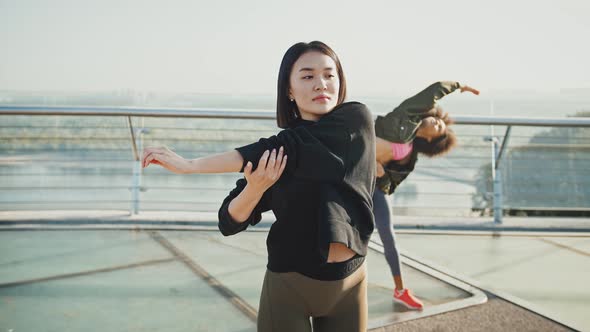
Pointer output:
x,y
321,197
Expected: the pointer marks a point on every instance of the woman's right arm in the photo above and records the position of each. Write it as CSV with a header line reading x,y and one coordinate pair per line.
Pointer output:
x,y
316,151
227,162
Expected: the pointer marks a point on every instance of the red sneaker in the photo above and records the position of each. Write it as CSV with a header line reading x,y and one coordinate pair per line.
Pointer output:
x,y
406,298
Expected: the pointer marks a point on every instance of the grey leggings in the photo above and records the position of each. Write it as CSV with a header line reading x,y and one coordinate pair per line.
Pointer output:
x,y
382,211
288,300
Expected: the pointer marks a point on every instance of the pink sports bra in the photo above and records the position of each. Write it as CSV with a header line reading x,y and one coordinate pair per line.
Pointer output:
x,y
401,150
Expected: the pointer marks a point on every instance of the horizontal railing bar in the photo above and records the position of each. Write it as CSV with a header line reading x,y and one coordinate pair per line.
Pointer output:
x,y
521,121
62,150
477,208
126,128
99,139
530,193
533,192
198,153
546,208
138,112
422,208
108,188
524,183
228,141
417,177
65,188
190,189
106,201
251,130
216,203
8,160
110,174
397,206
263,115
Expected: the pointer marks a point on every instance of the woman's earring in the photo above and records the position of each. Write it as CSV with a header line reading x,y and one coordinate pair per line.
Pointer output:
x,y
291,99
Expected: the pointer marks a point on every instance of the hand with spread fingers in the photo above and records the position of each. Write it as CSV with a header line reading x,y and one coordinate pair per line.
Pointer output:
x,y
269,170
166,158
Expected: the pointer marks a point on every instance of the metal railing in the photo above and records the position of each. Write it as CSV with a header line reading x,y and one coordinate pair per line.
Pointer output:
x,y
209,138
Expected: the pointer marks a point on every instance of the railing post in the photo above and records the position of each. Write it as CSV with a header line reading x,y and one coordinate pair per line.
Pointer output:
x,y
496,179
497,154
497,184
136,143
135,186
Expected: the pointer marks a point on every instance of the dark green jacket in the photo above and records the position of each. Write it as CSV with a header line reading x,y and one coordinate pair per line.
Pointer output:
x,y
401,125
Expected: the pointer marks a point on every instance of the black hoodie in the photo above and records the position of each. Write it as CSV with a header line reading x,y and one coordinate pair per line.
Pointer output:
x,y
323,196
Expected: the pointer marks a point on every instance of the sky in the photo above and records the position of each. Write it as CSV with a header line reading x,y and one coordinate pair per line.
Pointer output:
x,y
235,47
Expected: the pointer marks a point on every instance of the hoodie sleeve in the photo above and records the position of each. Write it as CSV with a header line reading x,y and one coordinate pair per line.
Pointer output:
x,y
227,225
319,151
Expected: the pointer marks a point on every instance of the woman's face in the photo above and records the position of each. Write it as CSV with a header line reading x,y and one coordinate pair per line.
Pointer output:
x,y
314,85
432,127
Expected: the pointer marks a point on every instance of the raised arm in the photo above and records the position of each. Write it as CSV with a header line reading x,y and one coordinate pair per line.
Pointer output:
x,y
226,162
426,99
317,151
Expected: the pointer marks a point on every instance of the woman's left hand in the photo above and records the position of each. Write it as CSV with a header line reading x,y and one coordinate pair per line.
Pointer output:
x,y
470,89
267,173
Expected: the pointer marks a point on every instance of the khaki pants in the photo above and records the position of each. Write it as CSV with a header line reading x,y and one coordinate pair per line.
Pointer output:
x,y
288,300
